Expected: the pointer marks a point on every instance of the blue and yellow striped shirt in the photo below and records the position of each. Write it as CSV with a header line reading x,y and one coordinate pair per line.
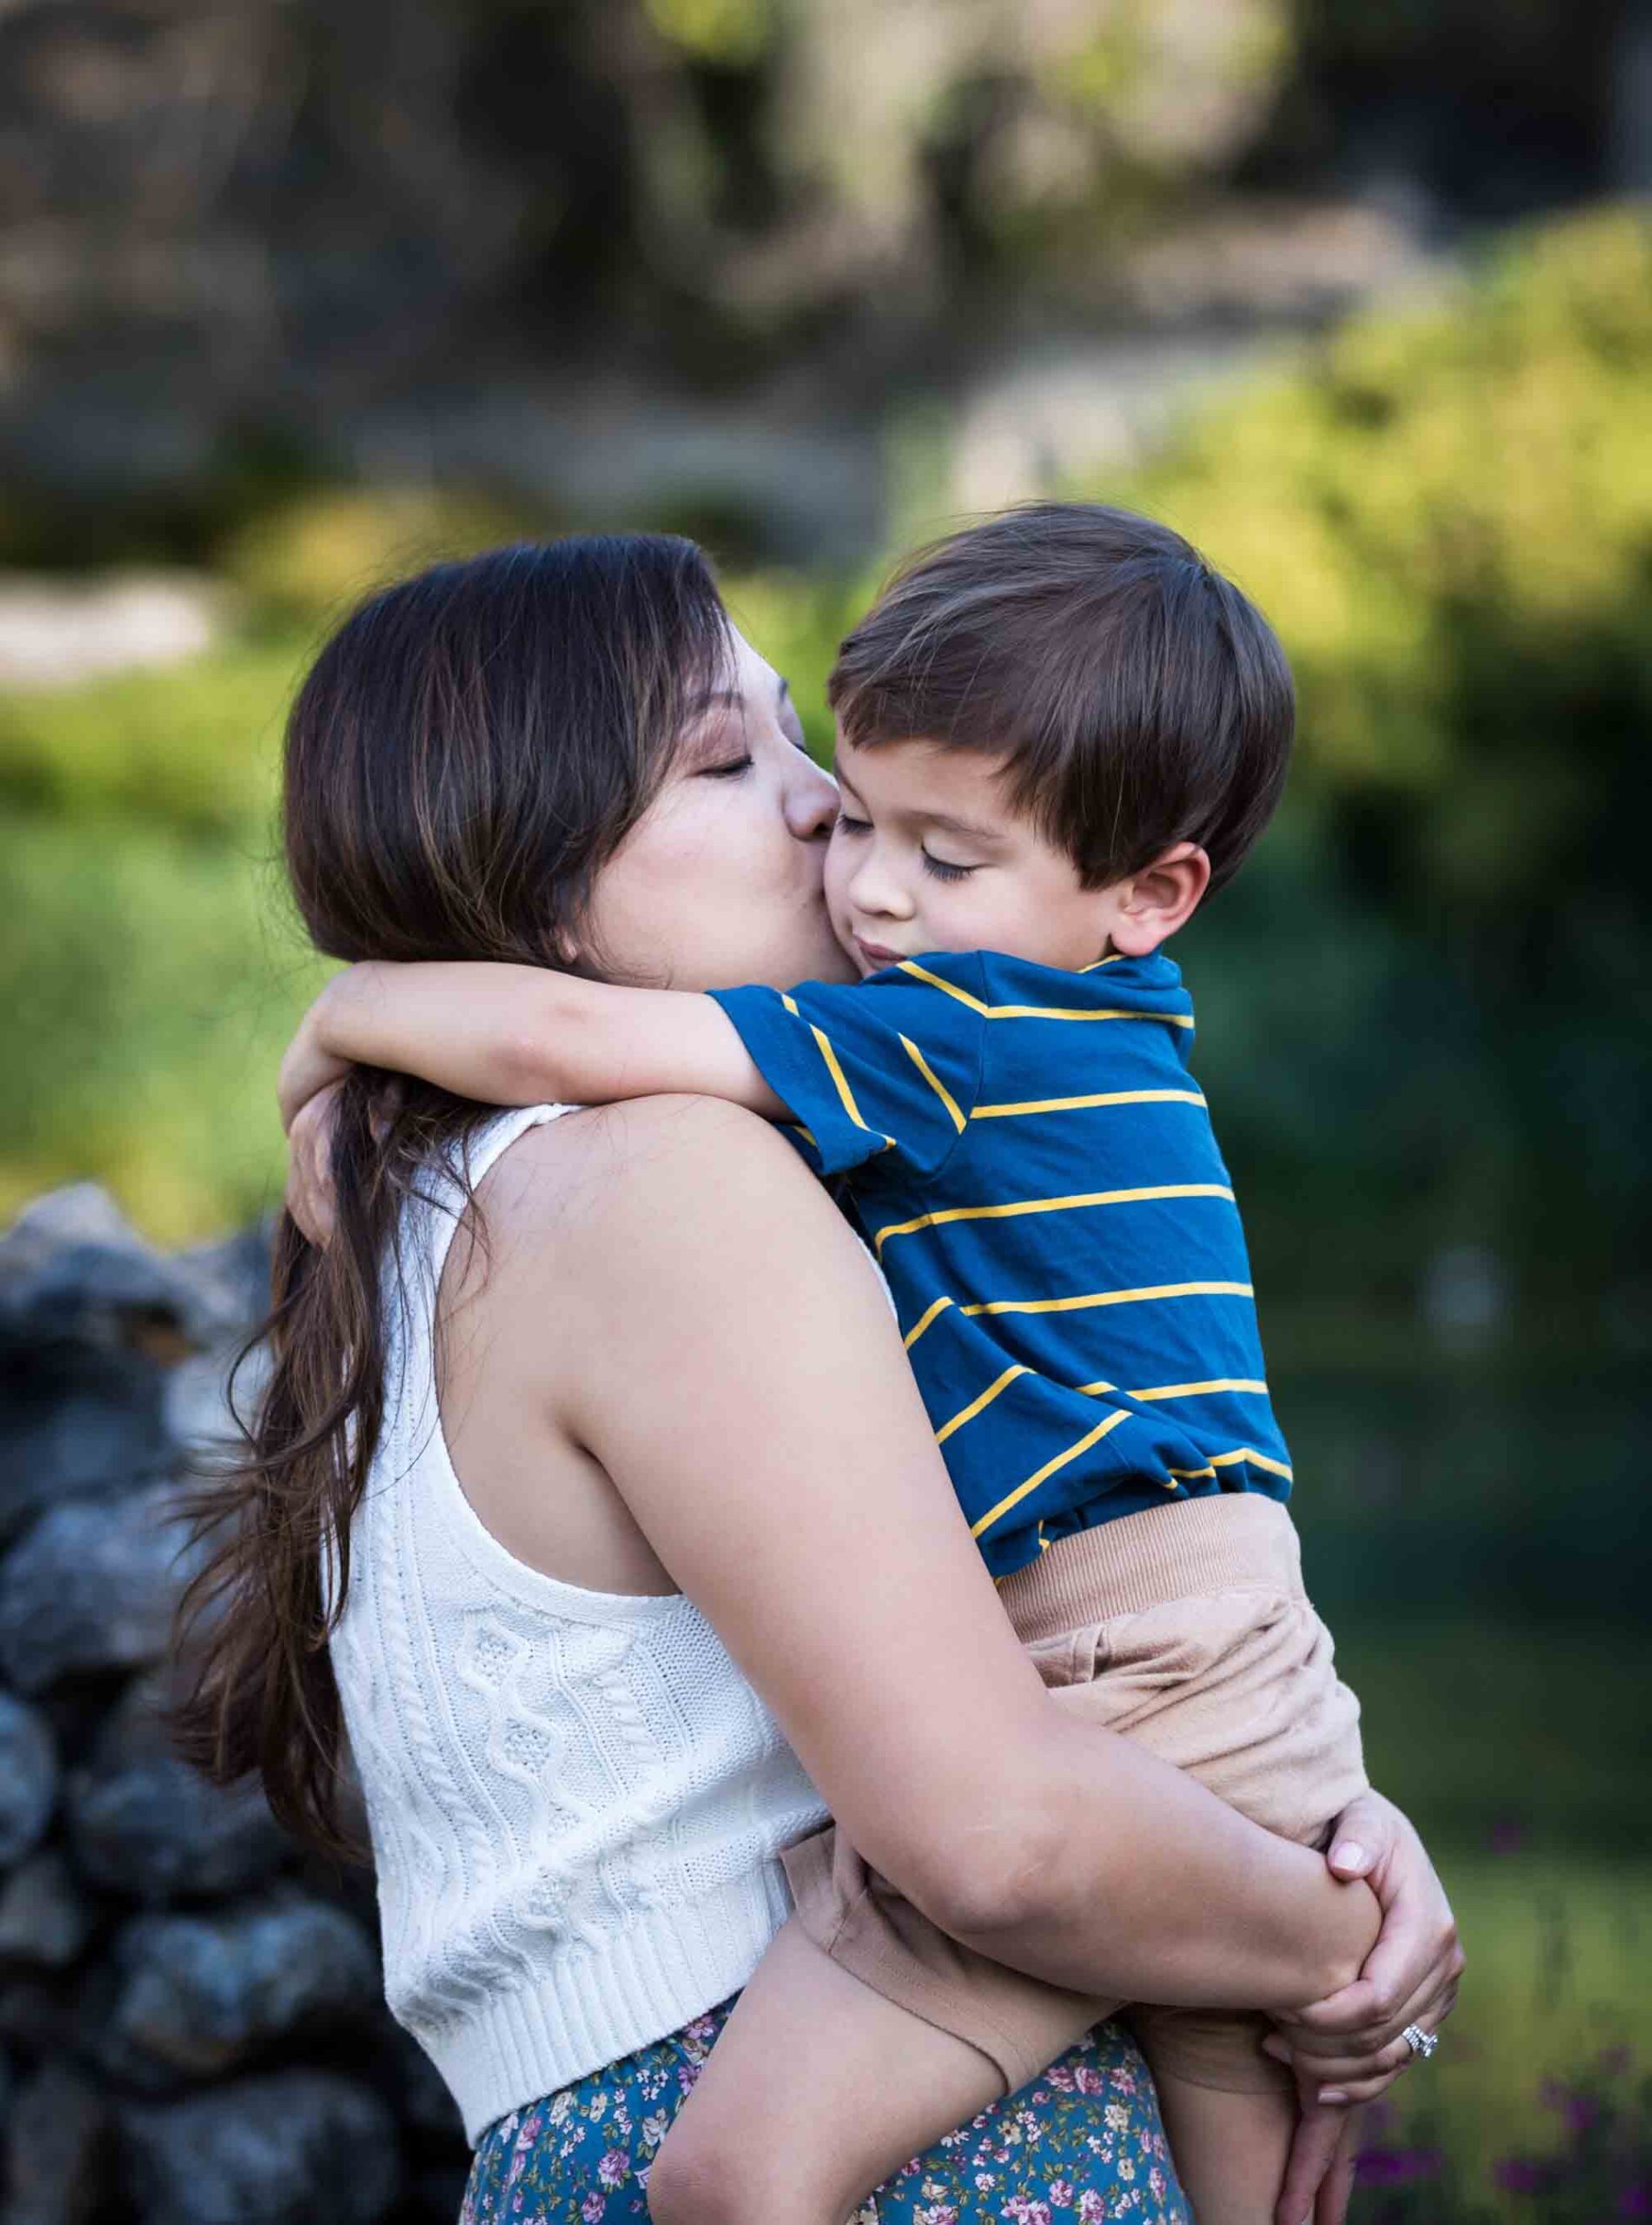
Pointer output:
x,y
1035,1170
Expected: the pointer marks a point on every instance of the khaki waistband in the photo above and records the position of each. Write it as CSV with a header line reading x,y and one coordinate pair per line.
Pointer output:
x,y
1239,1541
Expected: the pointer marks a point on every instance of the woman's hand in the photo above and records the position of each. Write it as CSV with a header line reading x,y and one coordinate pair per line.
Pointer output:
x,y
1347,2050
1353,2041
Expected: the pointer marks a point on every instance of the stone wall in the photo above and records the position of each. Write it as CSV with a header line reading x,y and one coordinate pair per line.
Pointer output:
x,y
192,2028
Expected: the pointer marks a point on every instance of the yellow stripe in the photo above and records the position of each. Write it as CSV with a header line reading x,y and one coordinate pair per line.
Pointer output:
x,y
947,988
920,1325
969,1412
938,1085
1032,1011
1096,1390
1117,959
791,1005
1048,1469
1202,1390
841,1084
1231,1459
1256,1460
1081,1104
1110,1298
1050,1205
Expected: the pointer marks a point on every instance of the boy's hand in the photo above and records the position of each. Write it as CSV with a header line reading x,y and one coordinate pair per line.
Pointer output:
x,y
307,1066
1319,2177
310,1165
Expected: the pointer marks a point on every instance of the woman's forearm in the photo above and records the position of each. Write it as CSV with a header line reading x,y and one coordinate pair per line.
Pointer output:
x,y
1108,1871
725,1306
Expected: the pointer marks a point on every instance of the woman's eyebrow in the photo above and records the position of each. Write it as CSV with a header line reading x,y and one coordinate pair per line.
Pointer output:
x,y
716,699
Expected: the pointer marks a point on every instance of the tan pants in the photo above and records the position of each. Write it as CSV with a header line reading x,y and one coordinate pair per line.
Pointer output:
x,y
1185,1627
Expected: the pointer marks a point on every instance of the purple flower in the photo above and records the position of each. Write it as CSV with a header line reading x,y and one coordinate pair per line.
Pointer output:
x,y
1398,2167
592,2208
1636,2199
615,2169
1520,2174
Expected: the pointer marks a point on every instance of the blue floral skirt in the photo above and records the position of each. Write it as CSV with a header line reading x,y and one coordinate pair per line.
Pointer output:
x,y
1082,2144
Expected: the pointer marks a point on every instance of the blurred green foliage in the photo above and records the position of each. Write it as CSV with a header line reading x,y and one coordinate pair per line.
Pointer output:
x,y
1425,1001
1423,1023
1416,1004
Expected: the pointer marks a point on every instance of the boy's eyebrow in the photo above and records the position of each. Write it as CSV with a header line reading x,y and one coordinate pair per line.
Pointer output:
x,y
967,827
942,821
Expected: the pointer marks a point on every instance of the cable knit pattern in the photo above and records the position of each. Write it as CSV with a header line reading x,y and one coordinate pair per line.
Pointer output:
x,y
576,1801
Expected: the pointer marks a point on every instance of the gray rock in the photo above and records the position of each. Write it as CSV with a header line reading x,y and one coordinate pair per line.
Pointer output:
x,y
44,1920
57,2149
142,1822
439,2190
28,1778
293,2148
72,1266
93,1326
75,1420
37,2012
237,1269
92,1586
197,1996
422,2098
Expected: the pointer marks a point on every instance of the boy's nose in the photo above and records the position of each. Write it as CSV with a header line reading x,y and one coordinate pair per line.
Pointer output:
x,y
874,891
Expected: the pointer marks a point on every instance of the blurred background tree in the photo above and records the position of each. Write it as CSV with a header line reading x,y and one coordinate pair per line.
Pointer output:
x,y
295,297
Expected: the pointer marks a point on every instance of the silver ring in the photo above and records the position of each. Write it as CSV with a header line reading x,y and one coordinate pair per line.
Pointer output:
x,y
1419,2042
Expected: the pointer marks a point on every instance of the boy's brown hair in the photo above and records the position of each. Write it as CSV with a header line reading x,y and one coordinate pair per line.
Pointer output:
x,y
1136,698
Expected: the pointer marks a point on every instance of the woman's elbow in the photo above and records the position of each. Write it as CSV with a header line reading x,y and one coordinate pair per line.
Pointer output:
x,y
994,1872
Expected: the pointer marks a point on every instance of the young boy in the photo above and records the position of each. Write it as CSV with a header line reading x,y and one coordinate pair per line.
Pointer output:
x,y
1058,732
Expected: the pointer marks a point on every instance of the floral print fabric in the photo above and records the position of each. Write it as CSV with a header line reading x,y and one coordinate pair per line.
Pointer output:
x,y
1083,2143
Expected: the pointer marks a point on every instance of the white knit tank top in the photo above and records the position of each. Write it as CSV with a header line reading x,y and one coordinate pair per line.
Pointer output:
x,y
576,1799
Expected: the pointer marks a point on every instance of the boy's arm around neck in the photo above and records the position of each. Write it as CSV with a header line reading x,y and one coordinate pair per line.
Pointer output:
x,y
521,1035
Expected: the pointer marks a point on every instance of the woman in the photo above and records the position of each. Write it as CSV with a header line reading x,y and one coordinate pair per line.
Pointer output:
x,y
575,1800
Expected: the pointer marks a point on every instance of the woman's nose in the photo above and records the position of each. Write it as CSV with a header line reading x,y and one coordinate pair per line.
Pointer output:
x,y
811,802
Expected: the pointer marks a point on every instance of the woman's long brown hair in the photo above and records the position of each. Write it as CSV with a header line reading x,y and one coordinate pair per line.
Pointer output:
x,y
468,750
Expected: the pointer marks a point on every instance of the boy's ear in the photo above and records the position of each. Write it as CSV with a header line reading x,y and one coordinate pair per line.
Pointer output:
x,y
1158,900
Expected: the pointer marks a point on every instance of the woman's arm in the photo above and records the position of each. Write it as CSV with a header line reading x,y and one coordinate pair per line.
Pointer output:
x,y
519,1035
733,1364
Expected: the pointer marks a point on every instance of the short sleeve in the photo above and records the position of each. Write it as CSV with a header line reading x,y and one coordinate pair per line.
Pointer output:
x,y
886,1069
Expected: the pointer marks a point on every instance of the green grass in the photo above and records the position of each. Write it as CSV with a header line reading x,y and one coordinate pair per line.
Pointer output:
x,y
1560,1970
1519,1749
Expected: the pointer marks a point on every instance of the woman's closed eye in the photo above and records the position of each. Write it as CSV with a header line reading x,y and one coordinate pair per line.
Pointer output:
x,y
728,769
847,824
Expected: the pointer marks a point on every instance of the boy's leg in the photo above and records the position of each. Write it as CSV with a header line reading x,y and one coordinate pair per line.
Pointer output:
x,y
1230,2111
1230,2149
816,2089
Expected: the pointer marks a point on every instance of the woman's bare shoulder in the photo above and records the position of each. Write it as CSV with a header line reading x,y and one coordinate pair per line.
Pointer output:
x,y
650,1171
